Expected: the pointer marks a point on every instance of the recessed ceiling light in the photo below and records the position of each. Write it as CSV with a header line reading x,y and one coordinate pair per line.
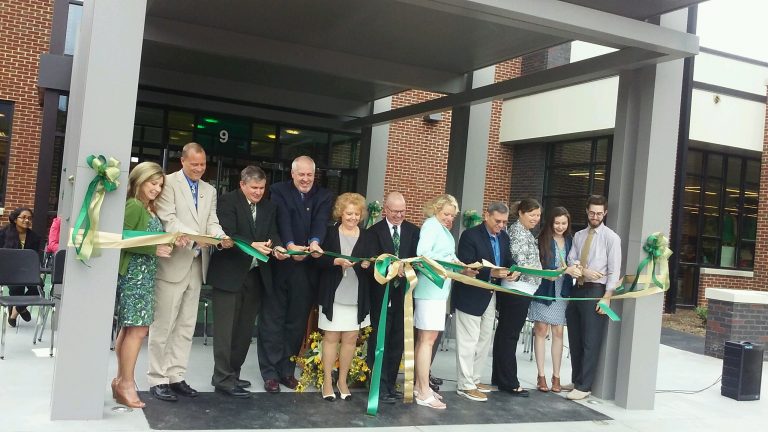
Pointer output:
x,y
271,136
292,131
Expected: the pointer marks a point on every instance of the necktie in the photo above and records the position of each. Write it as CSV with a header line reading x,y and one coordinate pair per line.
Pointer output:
x,y
396,243
584,257
396,240
496,252
253,211
193,186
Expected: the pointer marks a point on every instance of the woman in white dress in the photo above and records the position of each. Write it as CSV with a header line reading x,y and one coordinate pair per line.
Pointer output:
x,y
343,295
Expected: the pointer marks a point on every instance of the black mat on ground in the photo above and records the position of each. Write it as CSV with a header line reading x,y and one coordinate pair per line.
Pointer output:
x,y
682,341
308,410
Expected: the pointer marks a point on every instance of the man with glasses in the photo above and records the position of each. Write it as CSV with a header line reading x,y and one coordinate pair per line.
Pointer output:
x,y
393,235
597,252
476,307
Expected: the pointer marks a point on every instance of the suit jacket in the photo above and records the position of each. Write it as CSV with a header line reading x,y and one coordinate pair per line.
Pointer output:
x,y
176,210
299,221
230,266
330,275
475,245
380,241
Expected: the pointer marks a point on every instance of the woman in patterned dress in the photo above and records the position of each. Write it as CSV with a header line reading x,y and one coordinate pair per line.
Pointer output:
x,y
136,279
555,241
513,309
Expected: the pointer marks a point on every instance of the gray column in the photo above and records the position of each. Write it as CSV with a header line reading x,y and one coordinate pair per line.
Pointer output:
x,y
640,203
377,163
100,121
476,160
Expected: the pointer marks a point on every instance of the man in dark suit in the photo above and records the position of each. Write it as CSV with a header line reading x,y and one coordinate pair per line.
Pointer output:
x,y
393,235
303,212
476,307
238,279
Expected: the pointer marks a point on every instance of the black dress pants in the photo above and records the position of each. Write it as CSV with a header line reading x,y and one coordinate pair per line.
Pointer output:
x,y
393,343
513,310
234,316
21,290
586,330
283,322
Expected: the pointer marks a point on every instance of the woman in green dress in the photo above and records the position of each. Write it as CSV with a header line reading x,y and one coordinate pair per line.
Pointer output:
x,y
134,305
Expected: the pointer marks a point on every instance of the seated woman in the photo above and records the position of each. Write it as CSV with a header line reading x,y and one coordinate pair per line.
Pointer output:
x,y
19,235
136,278
343,298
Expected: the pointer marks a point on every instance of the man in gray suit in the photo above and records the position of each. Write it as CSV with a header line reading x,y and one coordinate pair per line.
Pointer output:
x,y
187,204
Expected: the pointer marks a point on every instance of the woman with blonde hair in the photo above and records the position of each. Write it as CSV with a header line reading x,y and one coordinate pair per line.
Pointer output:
x,y
343,297
437,242
134,304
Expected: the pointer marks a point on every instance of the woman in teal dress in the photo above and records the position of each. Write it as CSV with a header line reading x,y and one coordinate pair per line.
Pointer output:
x,y
437,242
134,305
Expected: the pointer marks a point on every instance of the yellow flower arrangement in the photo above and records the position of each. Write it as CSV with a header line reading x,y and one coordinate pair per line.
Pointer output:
x,y
311,361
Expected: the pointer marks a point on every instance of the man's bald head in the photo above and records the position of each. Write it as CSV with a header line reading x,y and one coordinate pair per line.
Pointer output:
x,y
394,208
303,173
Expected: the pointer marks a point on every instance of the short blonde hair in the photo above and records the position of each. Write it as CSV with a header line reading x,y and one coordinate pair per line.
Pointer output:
x,y
345,200
437,203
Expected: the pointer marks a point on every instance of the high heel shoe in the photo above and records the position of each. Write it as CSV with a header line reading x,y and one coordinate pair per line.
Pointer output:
x,y
541,384
329,397
556,387
342,395
123,400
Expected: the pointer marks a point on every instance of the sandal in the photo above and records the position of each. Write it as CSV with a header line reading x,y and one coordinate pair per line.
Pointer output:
x,y
431,402
437,395
541,384
556,384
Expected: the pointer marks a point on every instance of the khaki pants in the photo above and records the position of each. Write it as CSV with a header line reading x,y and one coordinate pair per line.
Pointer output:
x,y
473,340
170,335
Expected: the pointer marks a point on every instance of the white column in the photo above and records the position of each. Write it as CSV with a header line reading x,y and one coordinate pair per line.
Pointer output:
x,y
377,163
102,106
640,203
477,146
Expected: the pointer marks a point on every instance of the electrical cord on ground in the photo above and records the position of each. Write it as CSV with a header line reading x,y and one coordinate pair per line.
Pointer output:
x,y
690,392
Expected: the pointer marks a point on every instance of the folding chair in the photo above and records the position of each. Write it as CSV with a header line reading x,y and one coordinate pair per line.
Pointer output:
x,y
206,298
57,278
21,267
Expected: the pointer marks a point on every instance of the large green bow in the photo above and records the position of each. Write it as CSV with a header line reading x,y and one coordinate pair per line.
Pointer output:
x,y
107,173
657,251
374,211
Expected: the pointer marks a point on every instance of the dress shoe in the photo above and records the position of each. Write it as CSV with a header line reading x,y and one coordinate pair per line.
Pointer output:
x,y
484,388
397,394
235,392
242,383
163,392
473,395
272,386
11,321
387,398
434,387
25,315
566,387
342,395
577,394
289,381
183,389
435,380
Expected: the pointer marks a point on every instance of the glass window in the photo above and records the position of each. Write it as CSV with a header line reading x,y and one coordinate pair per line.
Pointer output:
x,y
295,142
181,120
74,17
263,139
576,170
344,151
6,122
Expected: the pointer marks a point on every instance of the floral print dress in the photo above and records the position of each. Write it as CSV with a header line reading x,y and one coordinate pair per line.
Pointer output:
x,y
136,290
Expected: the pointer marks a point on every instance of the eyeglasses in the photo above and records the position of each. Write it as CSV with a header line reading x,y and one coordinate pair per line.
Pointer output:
x,y
24,217
594,214
398,212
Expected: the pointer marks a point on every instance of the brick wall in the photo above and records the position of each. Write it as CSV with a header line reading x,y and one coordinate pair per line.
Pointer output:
x,y
25,28
735,321
760,280
417,154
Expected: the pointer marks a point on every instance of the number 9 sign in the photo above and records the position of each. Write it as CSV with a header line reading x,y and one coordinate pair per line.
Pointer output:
x,y
223,136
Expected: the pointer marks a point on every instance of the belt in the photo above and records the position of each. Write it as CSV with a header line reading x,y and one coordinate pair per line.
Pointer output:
x,y
592,285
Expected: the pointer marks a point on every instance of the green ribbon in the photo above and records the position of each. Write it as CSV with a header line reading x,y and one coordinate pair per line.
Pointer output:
x,y
471,219
107,173
246,247
655,246
378,359
374,211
